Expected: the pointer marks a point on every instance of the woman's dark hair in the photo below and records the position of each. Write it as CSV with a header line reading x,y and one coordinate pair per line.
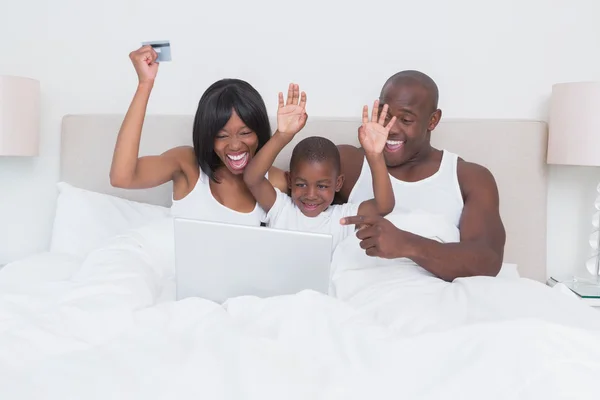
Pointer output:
x,y
214,110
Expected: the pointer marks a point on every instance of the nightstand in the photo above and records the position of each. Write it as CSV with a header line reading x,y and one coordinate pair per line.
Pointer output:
x,y
588,292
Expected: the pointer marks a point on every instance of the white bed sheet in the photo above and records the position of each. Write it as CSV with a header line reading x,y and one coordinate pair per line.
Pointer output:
x,y
107,327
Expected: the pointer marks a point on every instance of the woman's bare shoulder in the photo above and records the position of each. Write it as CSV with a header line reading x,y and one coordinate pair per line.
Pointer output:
x,y
188,164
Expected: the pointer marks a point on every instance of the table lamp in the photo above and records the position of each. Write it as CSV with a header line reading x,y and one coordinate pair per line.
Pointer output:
x,y
19,116
574,139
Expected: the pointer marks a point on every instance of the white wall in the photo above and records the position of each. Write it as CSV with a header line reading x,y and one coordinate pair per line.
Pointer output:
x,y
490,60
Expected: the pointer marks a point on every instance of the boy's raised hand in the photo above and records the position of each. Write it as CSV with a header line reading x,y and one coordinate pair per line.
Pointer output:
x,y
373,134
292,116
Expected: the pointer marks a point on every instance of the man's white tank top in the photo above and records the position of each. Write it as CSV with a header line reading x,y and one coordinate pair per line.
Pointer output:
x,y
438,194
201,204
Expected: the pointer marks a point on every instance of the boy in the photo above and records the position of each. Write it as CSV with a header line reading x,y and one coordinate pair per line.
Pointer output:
x,y
314,175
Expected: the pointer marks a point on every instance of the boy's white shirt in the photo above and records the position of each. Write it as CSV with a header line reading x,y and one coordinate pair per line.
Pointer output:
x,y
284,214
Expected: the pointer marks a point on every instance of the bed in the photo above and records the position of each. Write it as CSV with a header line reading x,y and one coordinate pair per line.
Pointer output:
x,y
98,319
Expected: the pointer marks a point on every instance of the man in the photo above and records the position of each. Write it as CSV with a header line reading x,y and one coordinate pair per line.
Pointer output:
x,y
428,179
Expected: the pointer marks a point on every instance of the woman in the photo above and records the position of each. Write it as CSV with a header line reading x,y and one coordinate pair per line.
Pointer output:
x,y
230,126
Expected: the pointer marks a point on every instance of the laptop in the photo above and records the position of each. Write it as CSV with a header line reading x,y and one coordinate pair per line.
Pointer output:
x,y
217,261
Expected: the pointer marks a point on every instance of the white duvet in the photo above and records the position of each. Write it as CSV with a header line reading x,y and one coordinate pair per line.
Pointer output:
x,y
106,327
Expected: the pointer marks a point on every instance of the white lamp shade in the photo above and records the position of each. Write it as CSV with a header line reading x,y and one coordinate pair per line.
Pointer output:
x,y
19,116
574,124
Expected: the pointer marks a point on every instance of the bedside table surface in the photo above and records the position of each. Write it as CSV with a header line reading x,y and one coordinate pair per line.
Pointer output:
x,y
588,291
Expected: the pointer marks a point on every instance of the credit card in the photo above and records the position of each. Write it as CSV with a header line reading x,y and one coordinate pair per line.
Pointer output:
x,y
162,48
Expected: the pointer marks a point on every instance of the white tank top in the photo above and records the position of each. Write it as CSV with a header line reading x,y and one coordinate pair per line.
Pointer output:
x,y
438,194
201,204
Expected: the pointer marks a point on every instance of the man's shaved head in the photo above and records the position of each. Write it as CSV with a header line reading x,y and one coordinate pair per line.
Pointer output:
x,y
411,97
413,78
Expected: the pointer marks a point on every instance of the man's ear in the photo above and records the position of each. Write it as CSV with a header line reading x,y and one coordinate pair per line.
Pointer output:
x,y
434,120
339,183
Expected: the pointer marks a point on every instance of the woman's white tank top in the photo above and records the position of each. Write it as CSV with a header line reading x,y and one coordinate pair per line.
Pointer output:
x,y
201,204
438,194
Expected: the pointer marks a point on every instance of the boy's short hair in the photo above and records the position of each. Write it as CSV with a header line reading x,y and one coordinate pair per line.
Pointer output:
x,y
316,149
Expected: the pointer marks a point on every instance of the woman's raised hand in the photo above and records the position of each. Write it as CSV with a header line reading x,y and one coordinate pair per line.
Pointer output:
x,y
144,62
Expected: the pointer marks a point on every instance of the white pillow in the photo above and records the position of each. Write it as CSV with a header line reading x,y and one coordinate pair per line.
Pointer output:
x,y
85,219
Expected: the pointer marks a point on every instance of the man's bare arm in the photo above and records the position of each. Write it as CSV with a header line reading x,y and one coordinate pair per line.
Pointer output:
x,y
482,235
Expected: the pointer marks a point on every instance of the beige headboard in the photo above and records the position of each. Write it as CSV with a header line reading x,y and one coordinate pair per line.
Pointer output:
x,y
515,152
